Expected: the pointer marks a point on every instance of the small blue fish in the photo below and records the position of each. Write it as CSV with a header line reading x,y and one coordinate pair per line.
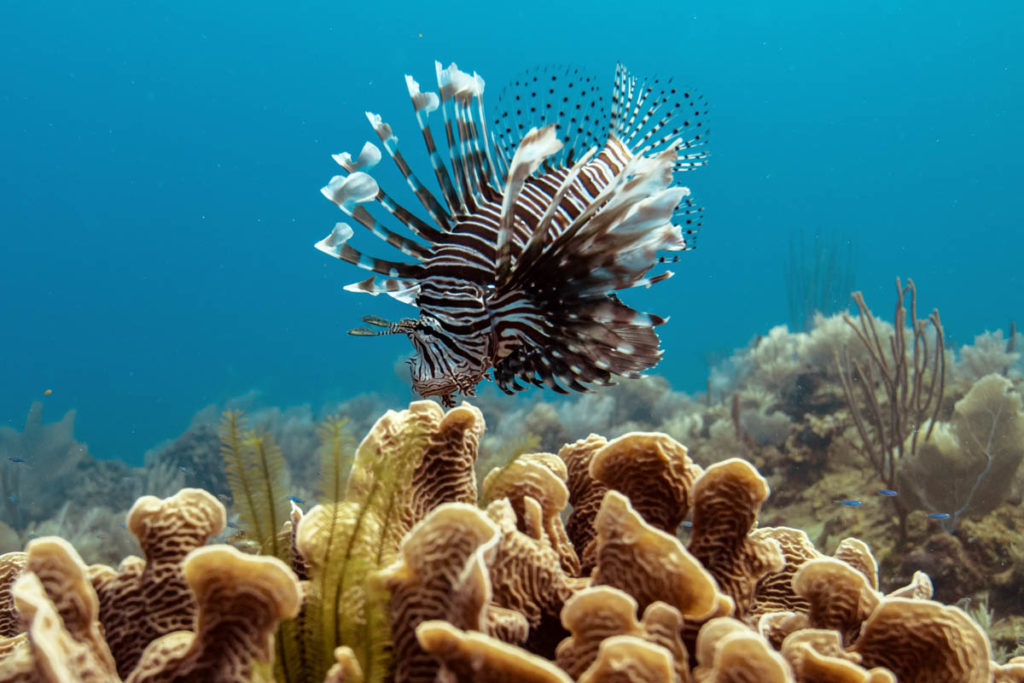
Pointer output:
x,y
851,503
232,525
13,499
296,500
17,459
186,470
688,524
32,537
123,525
939,515
886,492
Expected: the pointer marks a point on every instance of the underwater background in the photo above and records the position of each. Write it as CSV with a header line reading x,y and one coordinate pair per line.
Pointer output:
x,y
844,334
163,162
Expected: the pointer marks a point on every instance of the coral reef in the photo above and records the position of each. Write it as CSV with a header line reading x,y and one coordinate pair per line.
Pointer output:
x,y
425,580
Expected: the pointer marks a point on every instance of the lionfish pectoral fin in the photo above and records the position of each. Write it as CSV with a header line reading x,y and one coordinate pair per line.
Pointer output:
x,y
538,239
536,146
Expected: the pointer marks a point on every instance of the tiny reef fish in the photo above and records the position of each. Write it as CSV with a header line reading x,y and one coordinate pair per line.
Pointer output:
x,y
17,459
939,515
886,492
296,500
540,220
851,503
47,392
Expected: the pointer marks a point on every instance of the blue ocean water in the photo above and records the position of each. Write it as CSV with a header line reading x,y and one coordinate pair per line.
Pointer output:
x,y
162,164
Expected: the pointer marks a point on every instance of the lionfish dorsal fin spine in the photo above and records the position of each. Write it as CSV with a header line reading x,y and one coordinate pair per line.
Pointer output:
x,y
427,199
470,159
650,117
491,182
448,81
424,104
536,146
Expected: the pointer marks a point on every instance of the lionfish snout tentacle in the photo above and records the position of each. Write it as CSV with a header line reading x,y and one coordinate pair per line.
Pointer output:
x,y
537,225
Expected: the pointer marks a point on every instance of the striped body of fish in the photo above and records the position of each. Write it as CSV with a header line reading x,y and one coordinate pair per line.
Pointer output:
x,y
539,222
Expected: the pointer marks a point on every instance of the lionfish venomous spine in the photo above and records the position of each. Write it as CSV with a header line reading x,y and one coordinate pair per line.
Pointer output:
x,y
540,221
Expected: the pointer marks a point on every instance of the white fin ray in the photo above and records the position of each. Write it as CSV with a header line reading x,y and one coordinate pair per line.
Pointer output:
x,y
369,156
536,146
347,191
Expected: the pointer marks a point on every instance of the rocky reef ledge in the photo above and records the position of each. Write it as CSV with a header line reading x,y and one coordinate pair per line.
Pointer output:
x,y
609,561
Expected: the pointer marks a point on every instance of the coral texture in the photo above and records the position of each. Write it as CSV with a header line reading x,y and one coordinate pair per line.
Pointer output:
x,y
486,589
150,598
241,599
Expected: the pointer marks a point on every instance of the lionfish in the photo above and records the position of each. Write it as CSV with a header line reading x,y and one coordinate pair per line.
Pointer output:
x,y
539,222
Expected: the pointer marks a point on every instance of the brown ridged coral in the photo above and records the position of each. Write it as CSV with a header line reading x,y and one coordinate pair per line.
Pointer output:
x,y
526,574
468,657
598,613
241,599
774,592
585,496
729,652
541,478
817,656
727,499
11,565
60,611
653,471
628,659
647,563
474,593
923,641
440,447
441,574
444,473
147,599
839,597
410,463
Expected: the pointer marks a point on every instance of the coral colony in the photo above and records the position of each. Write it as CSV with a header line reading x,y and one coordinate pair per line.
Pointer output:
x,y
407,570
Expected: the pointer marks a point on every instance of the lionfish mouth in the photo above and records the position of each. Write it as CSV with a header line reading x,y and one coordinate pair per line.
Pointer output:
x,y
539,222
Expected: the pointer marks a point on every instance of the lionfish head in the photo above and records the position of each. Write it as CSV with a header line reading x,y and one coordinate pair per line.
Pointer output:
x,y
435,368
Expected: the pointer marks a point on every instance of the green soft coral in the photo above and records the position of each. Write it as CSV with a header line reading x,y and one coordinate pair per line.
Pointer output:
x,y
346,538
